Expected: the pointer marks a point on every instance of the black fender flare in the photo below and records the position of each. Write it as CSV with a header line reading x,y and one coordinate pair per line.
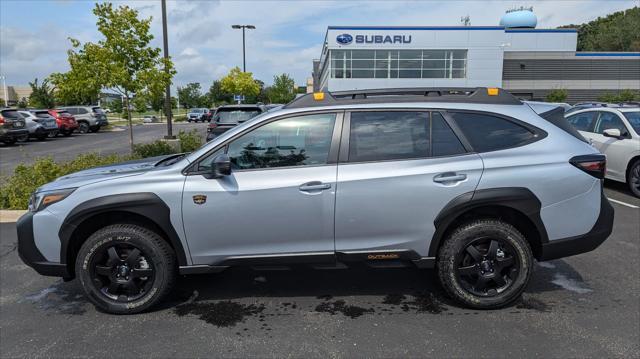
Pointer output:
x,y
145,204
517,198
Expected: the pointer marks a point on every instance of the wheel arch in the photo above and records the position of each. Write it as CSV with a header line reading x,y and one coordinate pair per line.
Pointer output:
x,y
515,205
144,209
630,163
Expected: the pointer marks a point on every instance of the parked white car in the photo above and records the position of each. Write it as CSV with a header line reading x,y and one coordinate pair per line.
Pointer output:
x,y
615,131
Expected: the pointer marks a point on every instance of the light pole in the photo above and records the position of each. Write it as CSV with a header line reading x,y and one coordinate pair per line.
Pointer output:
x,y
243,27
167,99
4,88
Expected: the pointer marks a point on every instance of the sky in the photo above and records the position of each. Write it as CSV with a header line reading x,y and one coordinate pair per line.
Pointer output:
x,y
288,36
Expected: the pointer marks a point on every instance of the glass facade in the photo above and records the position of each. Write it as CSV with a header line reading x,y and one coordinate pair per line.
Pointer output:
x,y
392,64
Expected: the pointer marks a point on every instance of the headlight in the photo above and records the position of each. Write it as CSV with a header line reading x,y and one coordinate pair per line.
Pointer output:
x,y
41,200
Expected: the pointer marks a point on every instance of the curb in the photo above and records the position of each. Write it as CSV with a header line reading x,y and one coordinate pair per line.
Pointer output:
x,y
10,216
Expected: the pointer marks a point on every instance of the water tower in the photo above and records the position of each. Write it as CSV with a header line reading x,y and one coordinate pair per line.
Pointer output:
x,y
519,18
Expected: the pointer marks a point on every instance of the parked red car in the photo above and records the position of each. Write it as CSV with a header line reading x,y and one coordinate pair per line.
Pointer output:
x,y
66,122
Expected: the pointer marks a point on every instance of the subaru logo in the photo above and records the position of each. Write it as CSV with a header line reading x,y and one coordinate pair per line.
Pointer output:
x,y
344,39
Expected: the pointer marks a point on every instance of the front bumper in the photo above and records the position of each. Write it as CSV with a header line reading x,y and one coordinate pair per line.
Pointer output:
x,y
30,254
584,243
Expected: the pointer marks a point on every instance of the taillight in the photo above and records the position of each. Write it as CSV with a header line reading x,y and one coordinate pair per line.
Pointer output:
x,y
595,165
1,120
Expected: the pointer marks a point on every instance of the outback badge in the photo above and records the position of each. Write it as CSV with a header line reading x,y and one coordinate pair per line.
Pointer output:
x,y
199,199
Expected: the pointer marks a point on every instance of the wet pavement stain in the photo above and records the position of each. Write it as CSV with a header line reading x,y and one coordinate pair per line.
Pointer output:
x,y
427,302
220,314
325,297
393,299
339,306
57,299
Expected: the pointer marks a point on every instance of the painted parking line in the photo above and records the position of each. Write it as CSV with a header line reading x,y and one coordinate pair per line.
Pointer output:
x,y
622,203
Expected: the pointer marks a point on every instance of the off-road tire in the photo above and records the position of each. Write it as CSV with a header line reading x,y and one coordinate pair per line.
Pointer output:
x,y
457,242
150,244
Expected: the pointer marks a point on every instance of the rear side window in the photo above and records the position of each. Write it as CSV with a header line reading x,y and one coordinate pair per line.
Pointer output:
x,y
583,121
444,141
11,114
491,133
394,135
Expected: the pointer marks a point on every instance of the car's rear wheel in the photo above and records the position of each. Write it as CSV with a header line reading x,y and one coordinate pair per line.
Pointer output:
x,y
94,129
83,127
633,178
485,264
125,268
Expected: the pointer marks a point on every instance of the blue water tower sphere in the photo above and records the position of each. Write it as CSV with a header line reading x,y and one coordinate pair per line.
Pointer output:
x,y
519,19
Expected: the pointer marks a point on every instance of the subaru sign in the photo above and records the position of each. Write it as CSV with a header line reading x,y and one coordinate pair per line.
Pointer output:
x,y
344,39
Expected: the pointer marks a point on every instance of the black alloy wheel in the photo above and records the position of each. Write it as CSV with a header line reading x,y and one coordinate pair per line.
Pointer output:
x,y
121,272
83,127
634,179
487,267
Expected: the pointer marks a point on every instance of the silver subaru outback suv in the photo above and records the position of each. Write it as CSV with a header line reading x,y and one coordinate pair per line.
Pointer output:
x,y
471,182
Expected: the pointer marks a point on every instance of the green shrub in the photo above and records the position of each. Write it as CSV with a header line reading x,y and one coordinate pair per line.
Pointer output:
x,y
622,96
151,149
189,141
15,191
557,95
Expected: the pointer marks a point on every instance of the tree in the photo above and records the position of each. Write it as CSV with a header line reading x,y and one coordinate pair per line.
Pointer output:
x,y
614,32
190,95
557,95
216,95
240,83
122,61
622,96
22,103
139,104
116,105
2,104
283,89
41,95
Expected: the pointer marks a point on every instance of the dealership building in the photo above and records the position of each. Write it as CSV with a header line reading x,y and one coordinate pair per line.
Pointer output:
x,y
516,56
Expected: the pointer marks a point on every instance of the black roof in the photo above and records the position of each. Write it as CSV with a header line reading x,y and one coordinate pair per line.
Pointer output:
x,y
418,94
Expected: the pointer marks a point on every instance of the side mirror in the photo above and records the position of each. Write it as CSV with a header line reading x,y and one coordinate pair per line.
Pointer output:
x,y
612,132
221,166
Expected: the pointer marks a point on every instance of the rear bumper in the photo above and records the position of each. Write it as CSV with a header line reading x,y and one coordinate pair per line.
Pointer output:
x,y
584,243
30,254
13,134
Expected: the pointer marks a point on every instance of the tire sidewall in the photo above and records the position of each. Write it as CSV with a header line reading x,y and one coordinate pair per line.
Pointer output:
x,y
634,191
141,239
458,242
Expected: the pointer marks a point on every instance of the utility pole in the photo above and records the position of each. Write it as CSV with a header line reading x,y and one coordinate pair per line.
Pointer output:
x,y
4,88
167,99
243,27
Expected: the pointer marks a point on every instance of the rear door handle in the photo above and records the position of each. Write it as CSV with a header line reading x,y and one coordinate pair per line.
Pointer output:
x,y
314,186
449,177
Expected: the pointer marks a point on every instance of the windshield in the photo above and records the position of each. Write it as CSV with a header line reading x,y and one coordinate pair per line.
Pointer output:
x,y
236,115
634,120
196,110
98,110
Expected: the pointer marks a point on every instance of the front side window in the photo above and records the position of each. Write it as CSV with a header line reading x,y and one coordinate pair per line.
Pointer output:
x,y
490,133
295,141
583,121
393,135
609,120
634,120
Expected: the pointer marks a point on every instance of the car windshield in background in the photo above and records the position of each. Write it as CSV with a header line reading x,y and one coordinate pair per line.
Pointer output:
x,y
12,114
235,115
98,110
634,120
196,110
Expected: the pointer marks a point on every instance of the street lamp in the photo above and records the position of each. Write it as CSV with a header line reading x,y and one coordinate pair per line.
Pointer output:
x,y
4,89
167,99
251,27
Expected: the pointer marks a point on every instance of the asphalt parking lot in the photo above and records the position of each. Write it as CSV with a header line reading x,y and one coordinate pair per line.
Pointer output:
x,y
582,306
67,148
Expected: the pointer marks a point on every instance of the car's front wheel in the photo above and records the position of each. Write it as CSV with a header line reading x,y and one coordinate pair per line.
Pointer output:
x,y
633,178
485,264
125,268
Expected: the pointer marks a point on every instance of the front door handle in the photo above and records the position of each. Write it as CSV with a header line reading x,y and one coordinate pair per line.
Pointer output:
x,y
449,177
314,186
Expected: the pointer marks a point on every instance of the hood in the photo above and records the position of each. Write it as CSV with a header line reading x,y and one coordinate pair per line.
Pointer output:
x,y
104,173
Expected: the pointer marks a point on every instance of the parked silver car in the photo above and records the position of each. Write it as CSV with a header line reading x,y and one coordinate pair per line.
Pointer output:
x,y
470,181
89,118
39,126
615,131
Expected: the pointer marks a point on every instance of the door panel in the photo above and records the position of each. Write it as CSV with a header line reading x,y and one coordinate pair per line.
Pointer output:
x,y
392,205
259,212
616,149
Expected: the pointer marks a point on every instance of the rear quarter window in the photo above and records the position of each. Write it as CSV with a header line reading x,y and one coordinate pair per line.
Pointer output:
x,y
487,132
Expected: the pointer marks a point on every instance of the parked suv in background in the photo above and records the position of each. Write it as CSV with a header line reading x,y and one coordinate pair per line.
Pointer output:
x,y
470,181
39,127
229,116
12,126
89,118
198,114
615,131
65,121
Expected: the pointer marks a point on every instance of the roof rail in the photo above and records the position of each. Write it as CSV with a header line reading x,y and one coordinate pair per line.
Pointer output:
x,y
482,95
